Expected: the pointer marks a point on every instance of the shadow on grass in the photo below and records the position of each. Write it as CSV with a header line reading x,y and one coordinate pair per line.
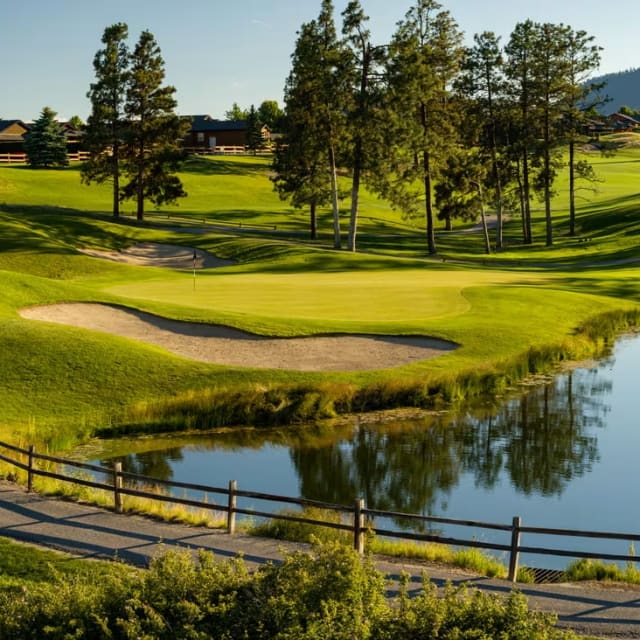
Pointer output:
x,y
58,227
219,167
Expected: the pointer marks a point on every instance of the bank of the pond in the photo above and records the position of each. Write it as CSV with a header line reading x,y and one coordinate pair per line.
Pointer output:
x,y
287,404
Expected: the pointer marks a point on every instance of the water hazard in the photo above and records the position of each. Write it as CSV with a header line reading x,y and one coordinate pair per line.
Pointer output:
x,y
561,454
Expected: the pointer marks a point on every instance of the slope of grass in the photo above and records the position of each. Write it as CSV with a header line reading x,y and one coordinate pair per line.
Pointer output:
x,y
64,383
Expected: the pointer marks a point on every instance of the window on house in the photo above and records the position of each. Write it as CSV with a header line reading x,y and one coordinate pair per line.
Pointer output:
x,y
200,136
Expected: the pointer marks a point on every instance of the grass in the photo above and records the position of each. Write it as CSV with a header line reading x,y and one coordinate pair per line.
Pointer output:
x,y
513,313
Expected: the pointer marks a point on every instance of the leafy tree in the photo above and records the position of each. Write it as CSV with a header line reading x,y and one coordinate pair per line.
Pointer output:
x,y
154,132
364,58
45,143
254,130
424,57
106,125
270,114
236,113
76,122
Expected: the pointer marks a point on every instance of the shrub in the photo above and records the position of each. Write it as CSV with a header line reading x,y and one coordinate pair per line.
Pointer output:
x,y
329,594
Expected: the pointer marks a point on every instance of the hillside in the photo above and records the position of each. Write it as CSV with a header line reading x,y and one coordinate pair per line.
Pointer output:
x,y
623,88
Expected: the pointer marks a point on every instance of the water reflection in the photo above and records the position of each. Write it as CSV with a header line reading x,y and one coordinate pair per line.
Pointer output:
x,y
536,443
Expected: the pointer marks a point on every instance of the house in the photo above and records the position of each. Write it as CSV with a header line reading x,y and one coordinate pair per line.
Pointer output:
x,y
207,133
12,135
622,122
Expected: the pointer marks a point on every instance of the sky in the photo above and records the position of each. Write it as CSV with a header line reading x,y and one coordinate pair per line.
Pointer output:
x,y
218,52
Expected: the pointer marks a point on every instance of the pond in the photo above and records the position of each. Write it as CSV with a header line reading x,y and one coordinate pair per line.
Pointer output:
x,y
560,454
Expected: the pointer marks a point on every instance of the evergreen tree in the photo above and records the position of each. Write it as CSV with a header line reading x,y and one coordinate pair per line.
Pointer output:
x,y
550,77
363,125
424,58
314,99
519,70
154,130
106,125
581,96
254,130
482,84
45,143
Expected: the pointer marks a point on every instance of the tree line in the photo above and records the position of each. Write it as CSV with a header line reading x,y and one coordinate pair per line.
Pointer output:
x,y
439,129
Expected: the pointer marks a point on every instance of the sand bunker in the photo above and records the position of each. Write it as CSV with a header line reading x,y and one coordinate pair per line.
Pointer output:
x,y
170,256
227,346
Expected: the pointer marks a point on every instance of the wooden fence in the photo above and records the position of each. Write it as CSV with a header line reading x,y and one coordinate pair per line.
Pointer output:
x,y
20,157
216,151
356,519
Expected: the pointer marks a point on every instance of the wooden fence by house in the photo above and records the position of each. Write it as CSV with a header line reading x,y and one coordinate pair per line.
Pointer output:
x,y
20,157
356,519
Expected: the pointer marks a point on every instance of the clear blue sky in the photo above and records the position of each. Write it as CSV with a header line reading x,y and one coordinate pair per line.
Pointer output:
x,y
218,52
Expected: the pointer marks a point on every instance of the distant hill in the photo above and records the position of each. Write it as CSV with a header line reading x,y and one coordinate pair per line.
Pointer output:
x,y
623,88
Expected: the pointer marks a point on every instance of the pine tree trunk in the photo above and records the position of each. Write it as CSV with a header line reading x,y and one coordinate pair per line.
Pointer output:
x,y
547,177
355,193
140,185
572,188
431,236
337,243
313,221
116,181
526,190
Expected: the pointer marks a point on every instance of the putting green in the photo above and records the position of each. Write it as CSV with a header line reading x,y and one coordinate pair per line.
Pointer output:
x,y
408,296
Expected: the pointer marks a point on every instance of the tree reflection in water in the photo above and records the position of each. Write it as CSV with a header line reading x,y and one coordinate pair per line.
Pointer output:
x,y
537,442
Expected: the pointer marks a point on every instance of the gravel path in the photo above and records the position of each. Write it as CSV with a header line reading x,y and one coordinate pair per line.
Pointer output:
x,y
87,531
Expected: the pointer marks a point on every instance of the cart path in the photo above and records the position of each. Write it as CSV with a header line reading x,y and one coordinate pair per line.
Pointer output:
x,y
89,531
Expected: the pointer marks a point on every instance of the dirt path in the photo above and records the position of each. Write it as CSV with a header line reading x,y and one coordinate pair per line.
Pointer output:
x,y
87,531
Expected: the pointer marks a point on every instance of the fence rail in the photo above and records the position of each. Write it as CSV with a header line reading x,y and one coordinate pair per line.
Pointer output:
x,y
20,157
357,519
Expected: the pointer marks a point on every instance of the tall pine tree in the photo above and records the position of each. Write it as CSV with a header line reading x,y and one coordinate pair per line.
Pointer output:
x,y
154,130
106,125
424,58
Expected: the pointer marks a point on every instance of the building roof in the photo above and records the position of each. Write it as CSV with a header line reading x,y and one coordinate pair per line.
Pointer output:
x,y
207,123
5,124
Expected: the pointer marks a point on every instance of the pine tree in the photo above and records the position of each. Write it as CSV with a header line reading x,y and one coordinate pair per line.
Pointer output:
x,y
106,125
581,96
424,58
254,130
45,144
482,83
154,130
364,60
314,99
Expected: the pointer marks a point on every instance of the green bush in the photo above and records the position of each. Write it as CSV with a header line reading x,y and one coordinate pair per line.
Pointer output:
x,y
328,594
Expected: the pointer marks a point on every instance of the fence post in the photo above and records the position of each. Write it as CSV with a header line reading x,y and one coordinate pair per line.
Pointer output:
x,y
231,513
117,486
514,557
30,469
358,526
